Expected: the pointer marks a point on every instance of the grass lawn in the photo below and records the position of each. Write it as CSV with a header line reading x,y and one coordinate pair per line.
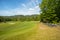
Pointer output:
x,y
28,31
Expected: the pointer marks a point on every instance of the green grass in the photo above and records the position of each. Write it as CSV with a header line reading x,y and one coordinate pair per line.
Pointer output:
x,y
28,31
18,28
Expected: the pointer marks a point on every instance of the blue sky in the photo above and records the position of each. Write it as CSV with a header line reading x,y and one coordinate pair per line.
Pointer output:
x,y
19,7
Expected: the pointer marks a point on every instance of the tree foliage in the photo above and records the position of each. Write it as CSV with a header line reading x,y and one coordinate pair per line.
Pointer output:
x,y
20,18
50,11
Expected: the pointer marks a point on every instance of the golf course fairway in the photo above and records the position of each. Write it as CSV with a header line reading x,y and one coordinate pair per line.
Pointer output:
x,y
32,30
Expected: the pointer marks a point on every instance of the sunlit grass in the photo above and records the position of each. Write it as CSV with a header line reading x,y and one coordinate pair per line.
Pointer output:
x,y
28,31
9,30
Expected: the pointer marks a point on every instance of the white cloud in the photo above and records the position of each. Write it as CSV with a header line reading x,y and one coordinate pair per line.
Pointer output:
x,y
19,11
23,5
36,6
27,9
31,9
37,1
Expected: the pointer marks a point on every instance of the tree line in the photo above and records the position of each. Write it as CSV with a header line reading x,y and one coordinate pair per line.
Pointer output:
x,y
20,18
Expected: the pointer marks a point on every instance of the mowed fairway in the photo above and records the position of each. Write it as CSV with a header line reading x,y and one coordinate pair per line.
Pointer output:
x,y
28,31
16,30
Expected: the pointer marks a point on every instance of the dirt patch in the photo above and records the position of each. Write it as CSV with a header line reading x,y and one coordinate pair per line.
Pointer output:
x,y
42,26
44,32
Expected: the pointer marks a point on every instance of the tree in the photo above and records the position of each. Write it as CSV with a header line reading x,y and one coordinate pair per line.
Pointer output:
x,y
20,18
50,11
2,19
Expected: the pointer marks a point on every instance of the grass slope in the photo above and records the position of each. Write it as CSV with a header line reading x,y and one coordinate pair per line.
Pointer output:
x,y
28,31
10,30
